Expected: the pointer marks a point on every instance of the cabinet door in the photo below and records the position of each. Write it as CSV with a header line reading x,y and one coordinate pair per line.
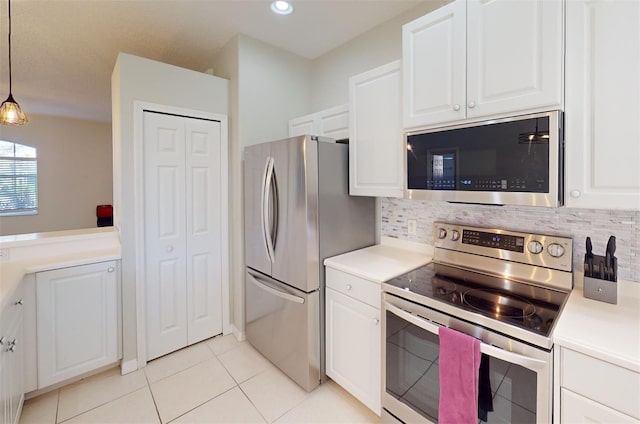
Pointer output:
x,y
433,66
578,409
514,56
375,133
334,122
303,125
77,321
353,347
603,104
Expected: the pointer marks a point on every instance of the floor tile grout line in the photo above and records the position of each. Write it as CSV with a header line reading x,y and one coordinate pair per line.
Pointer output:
x,y
97,406
202,404
253,404
155,405
55,420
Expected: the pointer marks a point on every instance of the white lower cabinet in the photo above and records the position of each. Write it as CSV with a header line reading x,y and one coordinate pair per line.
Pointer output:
x,y
593,390
77,321
579,409
11,352
353,336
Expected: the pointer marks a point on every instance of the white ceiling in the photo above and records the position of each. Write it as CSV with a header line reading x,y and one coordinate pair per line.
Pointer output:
x,y
64,50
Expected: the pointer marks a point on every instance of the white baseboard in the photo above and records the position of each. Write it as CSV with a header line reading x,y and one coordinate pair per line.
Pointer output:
x,y
129,366
240,335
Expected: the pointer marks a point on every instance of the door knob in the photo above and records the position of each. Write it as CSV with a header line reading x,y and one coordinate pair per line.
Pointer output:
x,y
19,303
575,193
472,104
111,269
169,249
456,107
349,287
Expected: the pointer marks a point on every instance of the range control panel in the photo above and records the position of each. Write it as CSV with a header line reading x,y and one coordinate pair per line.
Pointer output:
x,y
550,251
489,239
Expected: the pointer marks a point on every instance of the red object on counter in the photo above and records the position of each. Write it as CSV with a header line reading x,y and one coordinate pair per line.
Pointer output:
x,y
104,211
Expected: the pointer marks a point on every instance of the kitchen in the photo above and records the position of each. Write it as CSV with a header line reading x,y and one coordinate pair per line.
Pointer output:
x,y
398,218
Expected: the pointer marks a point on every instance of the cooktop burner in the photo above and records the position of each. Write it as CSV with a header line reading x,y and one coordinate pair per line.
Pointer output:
x,y
528,307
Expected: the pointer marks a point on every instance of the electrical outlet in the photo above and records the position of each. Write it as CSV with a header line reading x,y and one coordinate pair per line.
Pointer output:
x,y
4,255
411,227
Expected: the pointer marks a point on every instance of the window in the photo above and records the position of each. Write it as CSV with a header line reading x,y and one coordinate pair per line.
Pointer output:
x,y
18,179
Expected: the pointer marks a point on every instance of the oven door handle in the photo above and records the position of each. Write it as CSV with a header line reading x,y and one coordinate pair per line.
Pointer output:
x,y
496,352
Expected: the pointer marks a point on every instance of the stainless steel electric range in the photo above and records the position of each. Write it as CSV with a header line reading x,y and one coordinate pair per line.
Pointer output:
x,y
503,287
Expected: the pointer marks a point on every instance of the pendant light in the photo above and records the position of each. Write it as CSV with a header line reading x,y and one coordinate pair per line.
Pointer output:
x,y
10,111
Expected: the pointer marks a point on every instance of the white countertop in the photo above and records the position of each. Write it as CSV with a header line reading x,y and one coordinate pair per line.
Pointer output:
x,y
602,330
384,261
29,253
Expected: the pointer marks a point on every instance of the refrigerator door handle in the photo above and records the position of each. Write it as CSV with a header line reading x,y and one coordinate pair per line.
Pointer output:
x,y
264,203
264,285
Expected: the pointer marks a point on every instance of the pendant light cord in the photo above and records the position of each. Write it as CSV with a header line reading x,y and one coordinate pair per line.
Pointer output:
x,y
9,1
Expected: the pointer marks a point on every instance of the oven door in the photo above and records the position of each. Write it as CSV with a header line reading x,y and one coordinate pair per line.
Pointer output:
x,y
520,375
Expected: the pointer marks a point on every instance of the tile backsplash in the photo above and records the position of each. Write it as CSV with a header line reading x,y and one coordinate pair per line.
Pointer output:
x,y
575,223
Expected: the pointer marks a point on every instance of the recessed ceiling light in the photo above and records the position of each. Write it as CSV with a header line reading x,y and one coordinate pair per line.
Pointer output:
x,y
281,7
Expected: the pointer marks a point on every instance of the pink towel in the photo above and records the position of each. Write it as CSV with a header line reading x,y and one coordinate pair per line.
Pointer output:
x,y
459,364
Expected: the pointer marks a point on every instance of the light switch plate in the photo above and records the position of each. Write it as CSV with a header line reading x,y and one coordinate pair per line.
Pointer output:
x,y
4,255
411,227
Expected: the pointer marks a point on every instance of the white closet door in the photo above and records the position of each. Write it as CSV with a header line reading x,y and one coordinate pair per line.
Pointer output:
x,y
165,233
204,232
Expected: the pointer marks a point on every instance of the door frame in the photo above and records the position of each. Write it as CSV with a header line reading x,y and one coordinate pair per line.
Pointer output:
x,y
139,107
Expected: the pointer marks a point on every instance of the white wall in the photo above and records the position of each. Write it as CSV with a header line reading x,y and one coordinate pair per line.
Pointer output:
x,y
382,44
139,79
274,85
268,86
74,172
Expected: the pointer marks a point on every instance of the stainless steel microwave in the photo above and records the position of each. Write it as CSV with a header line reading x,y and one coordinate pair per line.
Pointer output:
x,y
509,161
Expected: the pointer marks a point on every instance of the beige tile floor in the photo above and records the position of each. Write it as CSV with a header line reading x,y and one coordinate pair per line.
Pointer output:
x,y
219,380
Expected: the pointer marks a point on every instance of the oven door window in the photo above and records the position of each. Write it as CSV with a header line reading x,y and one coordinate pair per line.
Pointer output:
x,y
412,377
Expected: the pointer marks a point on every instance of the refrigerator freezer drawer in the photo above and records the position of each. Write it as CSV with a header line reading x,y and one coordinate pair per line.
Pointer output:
x,y
282,323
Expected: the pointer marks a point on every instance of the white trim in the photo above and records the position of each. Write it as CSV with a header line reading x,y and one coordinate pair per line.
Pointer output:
x,y
138,172
129,366
240,335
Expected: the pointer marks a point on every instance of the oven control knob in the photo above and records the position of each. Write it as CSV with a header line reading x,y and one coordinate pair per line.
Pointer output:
x,y
442,233
534,247
556,250
455,235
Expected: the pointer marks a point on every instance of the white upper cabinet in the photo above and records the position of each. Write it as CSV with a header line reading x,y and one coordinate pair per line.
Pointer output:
x,y
333,122
376,161
602,129
434,66
478,58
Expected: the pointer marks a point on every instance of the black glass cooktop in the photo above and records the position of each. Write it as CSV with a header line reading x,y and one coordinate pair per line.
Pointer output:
x,y
523,305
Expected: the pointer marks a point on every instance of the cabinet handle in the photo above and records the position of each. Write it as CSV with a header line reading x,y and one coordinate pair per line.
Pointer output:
x,y
349,287
472,104
575,193
456,107
12,346
111,269
376,321
2,340
169,249
19,303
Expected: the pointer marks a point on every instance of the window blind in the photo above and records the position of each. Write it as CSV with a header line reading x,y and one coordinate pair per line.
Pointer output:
x,y
18,179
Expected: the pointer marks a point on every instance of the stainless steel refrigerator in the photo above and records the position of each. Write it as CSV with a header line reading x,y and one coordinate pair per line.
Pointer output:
x,y
297,213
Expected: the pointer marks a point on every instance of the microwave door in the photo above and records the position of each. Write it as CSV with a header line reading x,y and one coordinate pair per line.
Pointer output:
x,y
257,161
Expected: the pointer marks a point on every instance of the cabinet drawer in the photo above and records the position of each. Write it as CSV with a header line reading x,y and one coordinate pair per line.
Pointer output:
x,y
363,290
608,384
579,409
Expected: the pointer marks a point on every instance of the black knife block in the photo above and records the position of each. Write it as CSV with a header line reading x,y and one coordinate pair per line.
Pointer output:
x,y
601,289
